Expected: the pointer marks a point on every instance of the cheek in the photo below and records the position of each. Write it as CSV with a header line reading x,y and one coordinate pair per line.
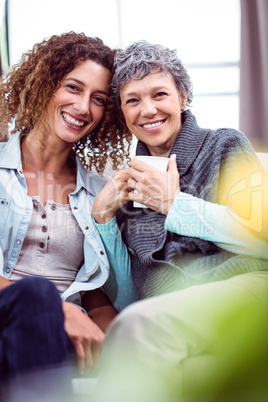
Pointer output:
x,y
99,114
130,122
130,117
102,114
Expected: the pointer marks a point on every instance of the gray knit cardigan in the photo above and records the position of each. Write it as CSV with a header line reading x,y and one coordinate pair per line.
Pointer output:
x,y
163,261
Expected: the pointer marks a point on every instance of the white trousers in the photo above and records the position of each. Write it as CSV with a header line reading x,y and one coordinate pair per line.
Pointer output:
x,y
203,343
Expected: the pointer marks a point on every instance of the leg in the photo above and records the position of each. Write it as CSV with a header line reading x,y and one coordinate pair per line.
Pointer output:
x,y
189,344
32,333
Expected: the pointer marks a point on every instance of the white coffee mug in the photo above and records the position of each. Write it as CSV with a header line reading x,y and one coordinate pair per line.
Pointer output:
x,y
158,162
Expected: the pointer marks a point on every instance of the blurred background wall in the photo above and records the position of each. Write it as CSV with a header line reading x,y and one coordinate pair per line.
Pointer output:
x,y
223,44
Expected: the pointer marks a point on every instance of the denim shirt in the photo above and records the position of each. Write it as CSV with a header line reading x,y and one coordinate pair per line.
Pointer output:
x,y
15,214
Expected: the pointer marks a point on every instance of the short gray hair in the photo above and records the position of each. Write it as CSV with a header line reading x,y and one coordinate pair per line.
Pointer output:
x,y
139,59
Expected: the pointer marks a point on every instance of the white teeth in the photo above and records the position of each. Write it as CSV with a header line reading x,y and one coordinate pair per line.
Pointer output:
x,y
151,125
72,121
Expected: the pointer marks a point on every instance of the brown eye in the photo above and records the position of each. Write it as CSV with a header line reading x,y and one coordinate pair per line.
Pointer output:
x,y
72,87
99,100
160,94
132,100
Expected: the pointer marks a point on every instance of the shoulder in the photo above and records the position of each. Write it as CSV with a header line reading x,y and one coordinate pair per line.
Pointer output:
x,y
229,141
228,136
12,143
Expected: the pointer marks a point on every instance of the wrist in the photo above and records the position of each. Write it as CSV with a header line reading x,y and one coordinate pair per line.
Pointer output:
x,y
102,217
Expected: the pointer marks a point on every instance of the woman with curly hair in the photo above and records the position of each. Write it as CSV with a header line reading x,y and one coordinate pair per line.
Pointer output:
x,y
55,104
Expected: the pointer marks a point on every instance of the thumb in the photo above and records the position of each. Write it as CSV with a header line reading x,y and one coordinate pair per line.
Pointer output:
x,y
172,164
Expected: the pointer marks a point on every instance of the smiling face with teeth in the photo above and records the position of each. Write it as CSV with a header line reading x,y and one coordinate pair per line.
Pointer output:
x,y
152,109
78,105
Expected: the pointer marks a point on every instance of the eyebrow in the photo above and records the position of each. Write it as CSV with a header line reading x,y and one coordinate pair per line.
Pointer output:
x,y
156,89
83,84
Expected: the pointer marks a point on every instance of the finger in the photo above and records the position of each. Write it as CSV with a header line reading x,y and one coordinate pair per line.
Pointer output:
x,y
96,353
132,183
140,165
80,357
93,351
89,359
172,164
137,174
122,175
173,170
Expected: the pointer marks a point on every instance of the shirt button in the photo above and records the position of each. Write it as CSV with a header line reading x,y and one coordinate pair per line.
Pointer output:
x,y
43,216
18,242
102,253
86,228
41,245
75,207
53,207
44,229
28,211
7,270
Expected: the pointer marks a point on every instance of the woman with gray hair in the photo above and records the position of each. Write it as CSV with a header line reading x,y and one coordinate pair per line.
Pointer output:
x,y
199,245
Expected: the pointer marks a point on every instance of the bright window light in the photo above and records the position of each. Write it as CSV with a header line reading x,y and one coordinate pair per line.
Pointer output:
x,y
205,33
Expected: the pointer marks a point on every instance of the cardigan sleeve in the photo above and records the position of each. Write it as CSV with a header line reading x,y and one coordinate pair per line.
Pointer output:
x,y
192,216
243,185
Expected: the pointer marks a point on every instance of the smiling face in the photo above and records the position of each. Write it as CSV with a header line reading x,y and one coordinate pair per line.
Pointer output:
x,y
78,105
152,109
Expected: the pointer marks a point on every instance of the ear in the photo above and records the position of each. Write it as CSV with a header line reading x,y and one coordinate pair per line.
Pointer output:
x,y
183,101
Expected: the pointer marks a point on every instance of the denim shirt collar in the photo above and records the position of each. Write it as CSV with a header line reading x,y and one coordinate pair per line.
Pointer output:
x,y
10,157
84,178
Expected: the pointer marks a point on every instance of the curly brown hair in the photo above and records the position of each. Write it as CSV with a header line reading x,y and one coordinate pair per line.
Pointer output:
x,y
27,89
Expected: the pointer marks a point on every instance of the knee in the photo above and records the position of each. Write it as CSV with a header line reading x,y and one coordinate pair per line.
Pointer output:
x,y
36,291
131,323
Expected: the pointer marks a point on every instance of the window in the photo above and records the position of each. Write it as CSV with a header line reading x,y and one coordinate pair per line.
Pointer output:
x,y
205,33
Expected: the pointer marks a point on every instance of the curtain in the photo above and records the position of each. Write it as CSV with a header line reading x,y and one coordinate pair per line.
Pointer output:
x,y
4,45
4,49
254,73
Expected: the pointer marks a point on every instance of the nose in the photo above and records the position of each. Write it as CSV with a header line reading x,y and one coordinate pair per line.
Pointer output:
x,y
148,108
82,105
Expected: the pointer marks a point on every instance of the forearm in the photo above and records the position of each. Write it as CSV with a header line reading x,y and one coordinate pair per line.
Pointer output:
x,y
99,308
119,287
